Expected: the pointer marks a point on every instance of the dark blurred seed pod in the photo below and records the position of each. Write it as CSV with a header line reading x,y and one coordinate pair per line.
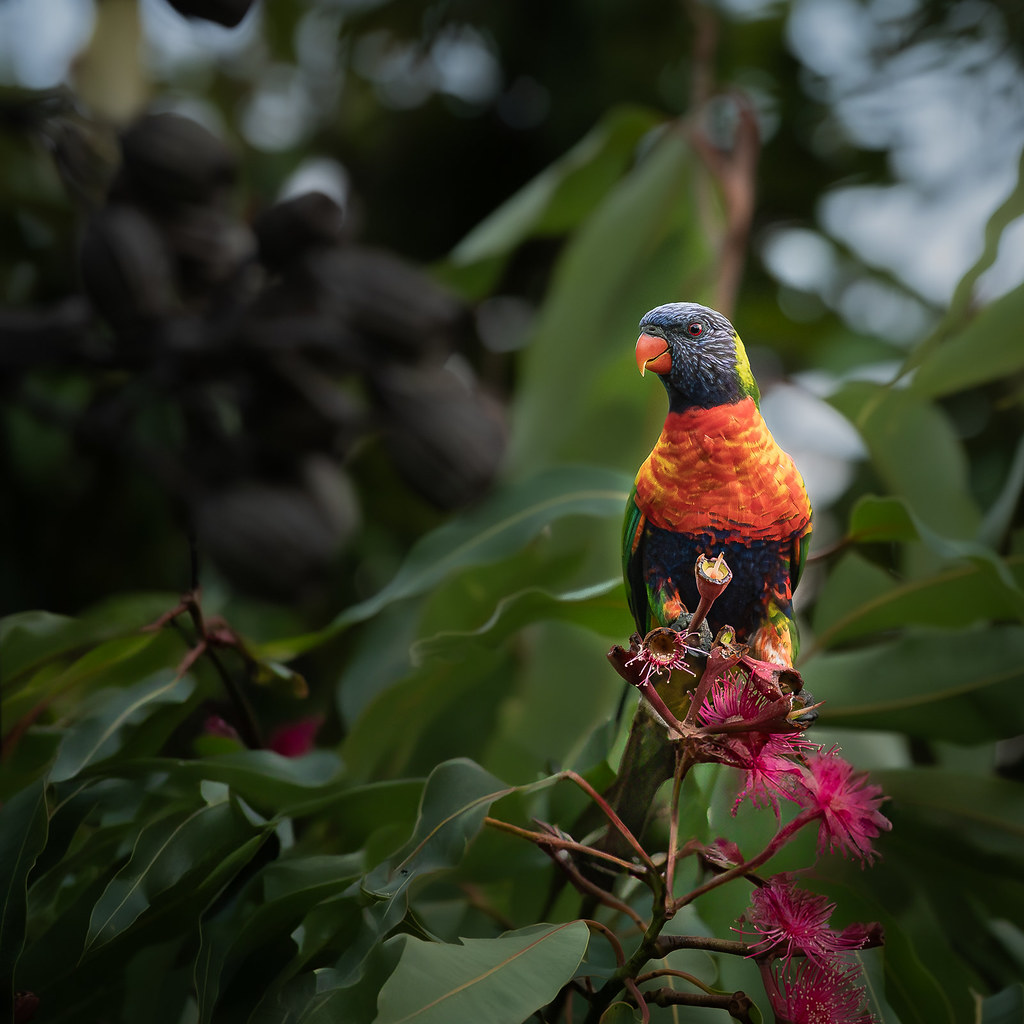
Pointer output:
x,y
277,540
397,308
288,229
224,12
125,266
289,406
170,159
277,323
209,244
444,435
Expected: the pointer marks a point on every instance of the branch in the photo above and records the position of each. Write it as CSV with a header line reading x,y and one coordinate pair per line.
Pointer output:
x,y
736,1004
545,839
587,887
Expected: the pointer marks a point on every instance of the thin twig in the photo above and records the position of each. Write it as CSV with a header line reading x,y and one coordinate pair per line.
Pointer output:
x,y
668,943
672,972
645,1012
736,1004
544,839
779,840
613,939
683,763
589,888
610,814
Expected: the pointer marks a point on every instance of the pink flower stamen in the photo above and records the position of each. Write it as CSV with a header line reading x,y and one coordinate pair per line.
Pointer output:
x,y
814,993
846,804
793,922
766,756
663,650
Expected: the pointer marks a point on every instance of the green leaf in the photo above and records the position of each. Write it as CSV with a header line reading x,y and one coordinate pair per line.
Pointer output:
x,y
100,735
500,980
166,852
562,194
890,519
455,802
269,782
620,1013
1005,1007
987,349
960,307
858,600
999,518
600,607
644,245
29,639
23,830
498,528
112,663
433,703
272,908
986,813
915,449
875,520
961,686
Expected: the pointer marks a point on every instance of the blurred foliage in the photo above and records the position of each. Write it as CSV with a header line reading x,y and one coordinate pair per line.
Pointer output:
x,y
407,485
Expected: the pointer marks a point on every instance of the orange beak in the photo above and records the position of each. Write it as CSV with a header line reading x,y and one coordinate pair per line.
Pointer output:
x,y
652,354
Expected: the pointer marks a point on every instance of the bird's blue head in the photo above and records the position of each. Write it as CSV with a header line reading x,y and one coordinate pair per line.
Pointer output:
x,y
697,354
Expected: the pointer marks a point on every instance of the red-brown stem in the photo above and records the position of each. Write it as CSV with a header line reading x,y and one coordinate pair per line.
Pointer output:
x,y
682,766
613,939
668,943
543,839
783,836
736,1004
584,885
610,814
672,972
645,1013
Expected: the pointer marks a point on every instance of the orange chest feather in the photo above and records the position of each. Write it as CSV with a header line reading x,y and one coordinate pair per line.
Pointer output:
x,y
720,471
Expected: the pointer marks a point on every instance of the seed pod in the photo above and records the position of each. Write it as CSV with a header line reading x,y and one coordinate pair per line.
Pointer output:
x,y
275,540
210,246
125,266
224,12
290,228
400,311
445,436
170,159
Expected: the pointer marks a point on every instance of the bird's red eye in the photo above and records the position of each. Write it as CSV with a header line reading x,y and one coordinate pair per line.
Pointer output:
x,y
696,329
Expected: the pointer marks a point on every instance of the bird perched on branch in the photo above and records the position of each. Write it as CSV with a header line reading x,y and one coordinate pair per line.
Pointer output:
x,y
716,482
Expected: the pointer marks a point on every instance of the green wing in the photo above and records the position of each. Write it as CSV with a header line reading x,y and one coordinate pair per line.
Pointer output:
x,y
633,565
801,545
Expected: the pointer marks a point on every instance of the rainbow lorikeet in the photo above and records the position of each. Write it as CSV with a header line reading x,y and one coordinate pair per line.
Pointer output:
x,y
716,481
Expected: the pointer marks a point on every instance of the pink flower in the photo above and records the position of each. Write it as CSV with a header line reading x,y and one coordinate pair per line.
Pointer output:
x,y
295,738
794,921
663,650
845,803
814,993
765,755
